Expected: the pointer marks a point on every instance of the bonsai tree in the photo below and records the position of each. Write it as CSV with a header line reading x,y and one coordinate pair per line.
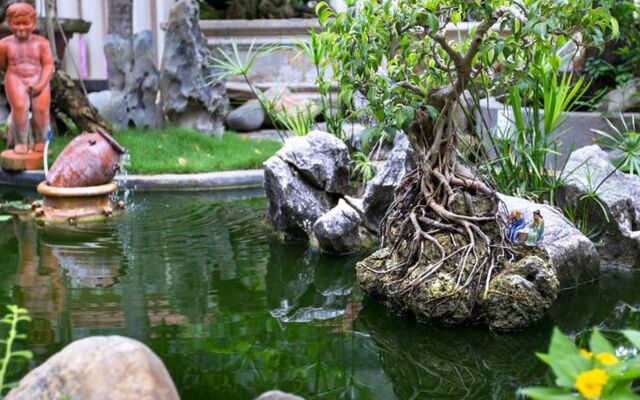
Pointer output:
x,y
445,256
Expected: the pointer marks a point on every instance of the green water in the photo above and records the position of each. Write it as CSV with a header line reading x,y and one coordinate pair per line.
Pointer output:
x,y
234,313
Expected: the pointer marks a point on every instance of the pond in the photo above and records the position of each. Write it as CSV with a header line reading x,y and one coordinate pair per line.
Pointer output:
x,y
232,312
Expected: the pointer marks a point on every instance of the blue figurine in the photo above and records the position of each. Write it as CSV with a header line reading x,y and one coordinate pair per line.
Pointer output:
x,y
516,224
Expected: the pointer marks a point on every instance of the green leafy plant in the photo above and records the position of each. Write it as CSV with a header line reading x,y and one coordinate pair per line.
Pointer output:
x,y
232,63
625,144
317,49
363,168
297,120
15,316
585,212
600,372
524,159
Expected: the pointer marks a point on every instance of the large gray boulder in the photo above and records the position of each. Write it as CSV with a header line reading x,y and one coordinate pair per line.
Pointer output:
x,y
188,98
294,204
338,230
133,81
96,368
379,193
321,158
573,255
304,180
589,168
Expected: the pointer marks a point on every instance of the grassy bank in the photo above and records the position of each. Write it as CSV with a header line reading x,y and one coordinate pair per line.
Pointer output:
x,y
182,151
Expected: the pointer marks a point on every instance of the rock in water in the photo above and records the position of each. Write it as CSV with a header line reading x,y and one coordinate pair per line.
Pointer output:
x,y
303,181
573,256
321,158
448,288
188,99
339,229
520,294
588,168
133,81
294,204
96,368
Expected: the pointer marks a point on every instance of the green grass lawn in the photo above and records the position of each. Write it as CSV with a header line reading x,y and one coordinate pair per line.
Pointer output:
x,y
183,151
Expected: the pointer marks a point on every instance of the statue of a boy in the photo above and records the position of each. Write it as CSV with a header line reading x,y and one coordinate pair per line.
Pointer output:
x,y
27,62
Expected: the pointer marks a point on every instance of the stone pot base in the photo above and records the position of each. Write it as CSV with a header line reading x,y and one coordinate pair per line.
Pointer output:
x,y
12,161
75,205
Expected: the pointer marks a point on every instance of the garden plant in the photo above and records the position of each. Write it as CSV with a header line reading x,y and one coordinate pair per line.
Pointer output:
x,y
600,372
444,240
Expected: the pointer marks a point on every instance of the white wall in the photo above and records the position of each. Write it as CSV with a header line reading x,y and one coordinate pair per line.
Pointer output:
x,y
84,56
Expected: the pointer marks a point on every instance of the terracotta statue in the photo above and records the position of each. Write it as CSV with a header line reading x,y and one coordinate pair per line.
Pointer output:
x,y
27,62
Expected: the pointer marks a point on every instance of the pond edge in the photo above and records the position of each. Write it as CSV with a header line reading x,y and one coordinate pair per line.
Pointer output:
x,y
224,180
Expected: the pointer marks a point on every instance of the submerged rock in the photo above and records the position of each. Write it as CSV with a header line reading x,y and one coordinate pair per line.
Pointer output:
x,y
589,168
96,368
573,255
188,99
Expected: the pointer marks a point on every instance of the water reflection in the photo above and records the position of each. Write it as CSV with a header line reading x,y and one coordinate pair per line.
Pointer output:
x,y
233,313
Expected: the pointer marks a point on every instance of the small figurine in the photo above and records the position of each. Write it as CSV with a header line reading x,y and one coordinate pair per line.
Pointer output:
x,y
27,62
516,224
535,229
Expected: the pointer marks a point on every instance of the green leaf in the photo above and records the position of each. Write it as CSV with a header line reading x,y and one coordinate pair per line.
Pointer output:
x,y
543,393
565,360
22,353
4,218
598,343
633,336
622,391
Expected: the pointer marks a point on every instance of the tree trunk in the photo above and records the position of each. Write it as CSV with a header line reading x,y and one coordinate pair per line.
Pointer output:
x,y
68,101
121,17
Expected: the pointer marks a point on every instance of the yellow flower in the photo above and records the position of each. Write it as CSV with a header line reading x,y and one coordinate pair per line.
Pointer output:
x,y
607,359
586,354
590,383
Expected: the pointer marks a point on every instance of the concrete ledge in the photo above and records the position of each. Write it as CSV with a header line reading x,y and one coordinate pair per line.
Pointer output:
x,y
227,180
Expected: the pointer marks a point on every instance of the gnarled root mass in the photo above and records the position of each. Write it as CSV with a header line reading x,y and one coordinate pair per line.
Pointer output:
x,y
445,257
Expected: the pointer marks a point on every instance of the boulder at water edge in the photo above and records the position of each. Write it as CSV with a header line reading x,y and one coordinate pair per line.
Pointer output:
x,y
590,168
97,368
188,98
338,230
573,255
303,181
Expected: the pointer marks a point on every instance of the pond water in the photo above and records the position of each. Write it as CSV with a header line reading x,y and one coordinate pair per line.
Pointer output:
x,y
233,313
